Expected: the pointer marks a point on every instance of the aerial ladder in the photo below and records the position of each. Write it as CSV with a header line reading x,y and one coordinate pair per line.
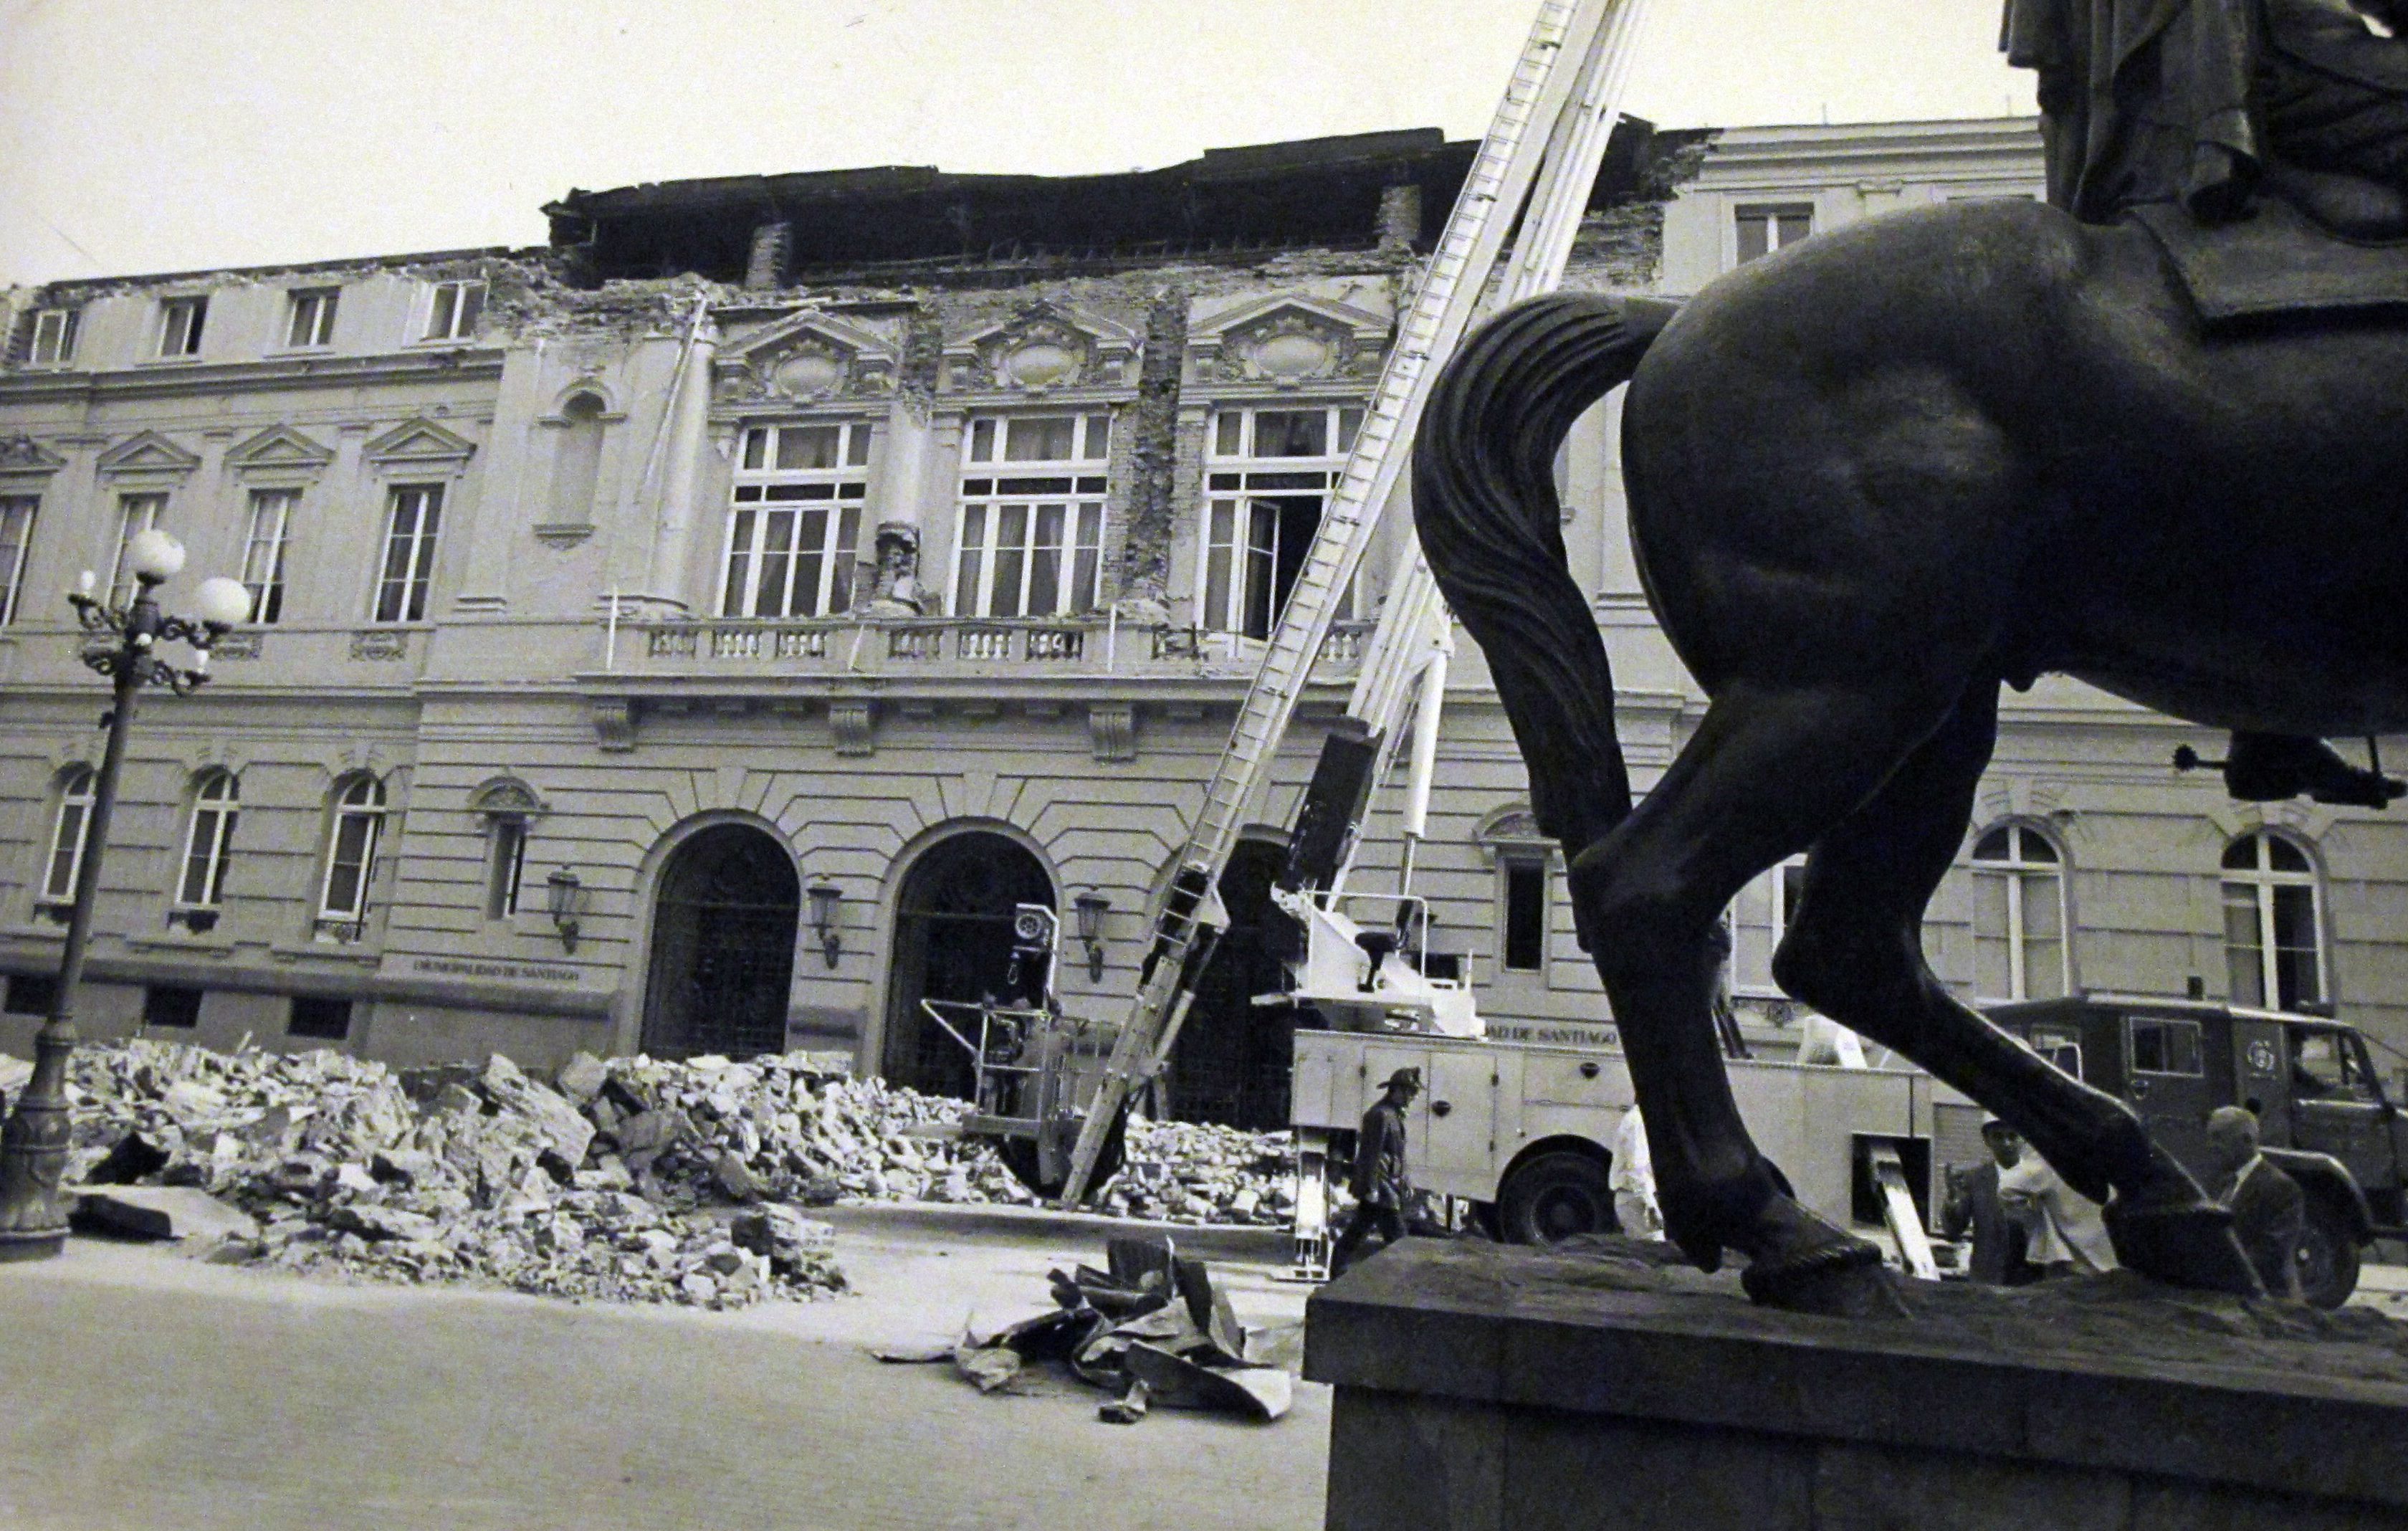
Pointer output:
x,y
1530,181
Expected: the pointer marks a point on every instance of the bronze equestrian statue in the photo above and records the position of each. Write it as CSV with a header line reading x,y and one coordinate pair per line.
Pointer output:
x,y
1871,479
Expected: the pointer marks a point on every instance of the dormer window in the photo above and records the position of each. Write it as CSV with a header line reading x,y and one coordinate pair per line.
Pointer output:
x,y
312,320
54,338
451,313
180,325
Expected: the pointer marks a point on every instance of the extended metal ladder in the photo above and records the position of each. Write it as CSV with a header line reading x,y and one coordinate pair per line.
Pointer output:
x,y
1534,170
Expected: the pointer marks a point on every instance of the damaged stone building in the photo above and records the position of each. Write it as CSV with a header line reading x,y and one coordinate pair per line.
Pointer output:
x,y
697,635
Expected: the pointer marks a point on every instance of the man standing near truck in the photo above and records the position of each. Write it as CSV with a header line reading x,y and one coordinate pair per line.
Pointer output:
x,y
1379,1183
2270,1211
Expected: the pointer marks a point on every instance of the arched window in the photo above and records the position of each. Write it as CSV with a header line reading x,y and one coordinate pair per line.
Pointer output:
x,y
2019,918
68,832
2273,923
209,843
350,859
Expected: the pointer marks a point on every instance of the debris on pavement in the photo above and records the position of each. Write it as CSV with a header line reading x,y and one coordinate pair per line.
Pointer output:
x,y
158,1212
612,1181
1150,1329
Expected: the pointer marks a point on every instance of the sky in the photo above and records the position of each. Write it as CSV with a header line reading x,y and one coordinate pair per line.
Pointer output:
x,y
149,135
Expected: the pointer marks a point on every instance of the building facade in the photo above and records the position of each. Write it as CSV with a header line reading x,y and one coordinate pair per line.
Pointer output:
x,y
697,635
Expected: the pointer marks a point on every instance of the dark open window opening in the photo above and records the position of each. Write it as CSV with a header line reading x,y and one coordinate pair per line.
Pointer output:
x,y
1525,916
175,1006
319,1018
32,994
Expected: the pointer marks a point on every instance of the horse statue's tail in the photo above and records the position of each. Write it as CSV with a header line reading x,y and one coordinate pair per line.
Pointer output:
x,y
1484,502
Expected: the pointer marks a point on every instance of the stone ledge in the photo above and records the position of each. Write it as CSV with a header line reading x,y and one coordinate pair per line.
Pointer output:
x,y
2111,1376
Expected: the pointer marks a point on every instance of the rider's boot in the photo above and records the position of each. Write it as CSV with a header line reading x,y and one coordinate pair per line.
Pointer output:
x,y
2268,768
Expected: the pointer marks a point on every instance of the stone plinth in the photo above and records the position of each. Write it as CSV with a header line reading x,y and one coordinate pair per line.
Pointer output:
x,y
1480,1387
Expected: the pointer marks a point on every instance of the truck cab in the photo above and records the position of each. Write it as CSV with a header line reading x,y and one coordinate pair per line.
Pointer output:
x,y
2321,1107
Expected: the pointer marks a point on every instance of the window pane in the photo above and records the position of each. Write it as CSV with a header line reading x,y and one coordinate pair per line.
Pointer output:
x,y
2282,856
1753,236
2241,854
2245,961
1349,423
1038,438
755,443
807,446
1997,845
16,536
844,559
738,590
982,441
1526,915
472,303
1993,963
966,592
1291,432
1226,429
856,446
1098,444
2297,978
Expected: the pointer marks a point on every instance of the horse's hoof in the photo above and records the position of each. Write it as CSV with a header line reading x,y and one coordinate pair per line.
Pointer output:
x,y
1840,1281
1797,1261
2187,1245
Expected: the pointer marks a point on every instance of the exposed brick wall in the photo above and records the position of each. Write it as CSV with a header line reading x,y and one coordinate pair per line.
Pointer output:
x,y
1145,558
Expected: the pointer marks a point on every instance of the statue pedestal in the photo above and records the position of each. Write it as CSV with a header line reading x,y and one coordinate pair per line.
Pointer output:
x,y
1506,1390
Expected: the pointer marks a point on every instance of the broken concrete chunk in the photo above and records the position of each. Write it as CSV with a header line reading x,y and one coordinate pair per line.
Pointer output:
x,y
1127,1409
581,1078
159,1212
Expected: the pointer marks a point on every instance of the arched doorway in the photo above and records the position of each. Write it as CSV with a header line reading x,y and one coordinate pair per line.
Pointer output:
x,y
724,927
1231,1062
952,940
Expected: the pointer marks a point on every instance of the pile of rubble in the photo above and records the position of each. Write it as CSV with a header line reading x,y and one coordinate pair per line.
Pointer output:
x,y
613,1181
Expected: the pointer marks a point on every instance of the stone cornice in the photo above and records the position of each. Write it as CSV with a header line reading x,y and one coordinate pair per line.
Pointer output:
x,y
214,377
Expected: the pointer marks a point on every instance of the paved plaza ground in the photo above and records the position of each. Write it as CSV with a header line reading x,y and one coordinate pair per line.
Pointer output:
x,y
147,1390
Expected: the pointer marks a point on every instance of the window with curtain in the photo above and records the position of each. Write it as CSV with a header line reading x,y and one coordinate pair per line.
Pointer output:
x,y
2273,923
795,523
2020,949
352,840
1029,539
69,829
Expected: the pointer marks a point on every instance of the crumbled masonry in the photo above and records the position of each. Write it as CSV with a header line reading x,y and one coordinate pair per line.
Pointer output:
x,y
634,1180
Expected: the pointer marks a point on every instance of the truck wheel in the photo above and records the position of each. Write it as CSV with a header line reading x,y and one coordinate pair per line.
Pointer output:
x,y
1556,1196
2327,1255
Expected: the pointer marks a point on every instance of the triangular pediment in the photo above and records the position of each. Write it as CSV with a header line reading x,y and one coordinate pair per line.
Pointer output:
x,y
279,446
1043,346
1286,339
23,454
1108,333
1365,326
419,441
809,356
843,335
148,452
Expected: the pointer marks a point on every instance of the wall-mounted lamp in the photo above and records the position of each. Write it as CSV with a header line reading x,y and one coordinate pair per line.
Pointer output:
x,y
1092,908
825,898
564,899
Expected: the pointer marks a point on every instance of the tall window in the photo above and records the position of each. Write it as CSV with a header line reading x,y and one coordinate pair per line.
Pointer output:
x,y
1268,478
208,844
54,336
1032,516
795,521
1765,229
68,832
2273,923
350,859
2019,946
504,866
1523,941
312,319
180,325
262,550
409,565
136,514
16,543
453,308
1760,916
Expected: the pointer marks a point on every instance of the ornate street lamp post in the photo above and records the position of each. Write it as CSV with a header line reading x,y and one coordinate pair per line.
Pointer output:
x,y
33,1145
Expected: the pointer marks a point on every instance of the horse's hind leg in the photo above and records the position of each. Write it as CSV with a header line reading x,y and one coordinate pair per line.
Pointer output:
x,y
1854,952
1769,771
